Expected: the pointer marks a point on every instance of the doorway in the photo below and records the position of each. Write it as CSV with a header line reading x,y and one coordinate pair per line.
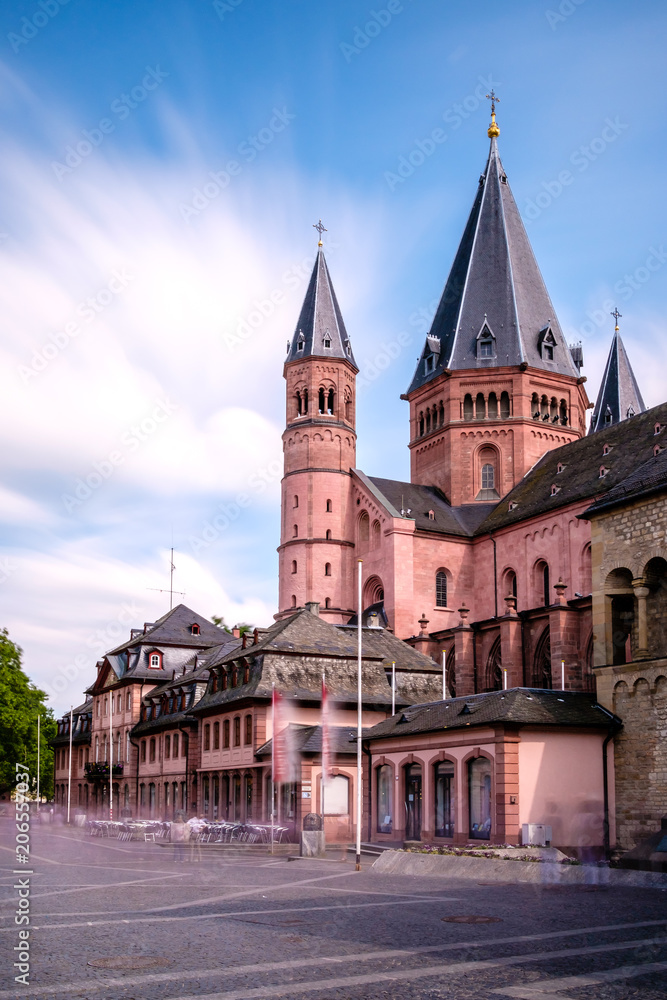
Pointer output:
x,y
413,802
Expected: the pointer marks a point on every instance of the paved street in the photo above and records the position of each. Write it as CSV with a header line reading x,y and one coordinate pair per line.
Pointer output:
x,y
235,928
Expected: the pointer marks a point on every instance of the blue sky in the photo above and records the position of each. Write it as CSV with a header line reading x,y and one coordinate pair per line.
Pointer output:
x,y
162,167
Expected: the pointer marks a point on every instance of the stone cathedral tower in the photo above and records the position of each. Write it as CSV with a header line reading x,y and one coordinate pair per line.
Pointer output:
x,y
316,553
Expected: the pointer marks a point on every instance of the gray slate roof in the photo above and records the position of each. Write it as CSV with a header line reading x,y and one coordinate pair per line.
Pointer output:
x,y
495,280
173,629
631,445
419,500
619,396
518,706
648,479
320,319
308,740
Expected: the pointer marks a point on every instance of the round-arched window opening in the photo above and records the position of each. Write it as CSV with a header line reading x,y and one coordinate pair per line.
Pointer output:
x,y
488,477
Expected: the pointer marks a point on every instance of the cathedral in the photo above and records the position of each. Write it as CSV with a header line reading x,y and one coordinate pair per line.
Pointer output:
x,y
483,556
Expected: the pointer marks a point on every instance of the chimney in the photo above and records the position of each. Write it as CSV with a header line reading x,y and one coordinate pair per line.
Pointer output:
x,y
236,632
313,607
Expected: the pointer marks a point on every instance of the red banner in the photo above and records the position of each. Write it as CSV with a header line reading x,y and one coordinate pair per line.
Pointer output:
x,y
279,761
326,740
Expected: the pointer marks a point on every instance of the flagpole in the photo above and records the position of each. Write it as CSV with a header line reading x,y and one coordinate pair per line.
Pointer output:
x,y
444,675
110,756
273,754
39,719
359,797
325,722
69,774
393,688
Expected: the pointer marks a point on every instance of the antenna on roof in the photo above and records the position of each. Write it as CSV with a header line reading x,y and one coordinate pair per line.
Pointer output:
x,y
171,590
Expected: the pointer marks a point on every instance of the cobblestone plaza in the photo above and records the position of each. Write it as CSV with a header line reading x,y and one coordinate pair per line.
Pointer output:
x,y
113,920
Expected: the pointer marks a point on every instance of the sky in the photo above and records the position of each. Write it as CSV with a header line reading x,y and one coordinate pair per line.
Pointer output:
x,y
162,167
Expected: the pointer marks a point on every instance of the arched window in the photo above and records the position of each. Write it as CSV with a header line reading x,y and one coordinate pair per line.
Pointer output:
x,y
493,406
294,599
327,569
586,570
504,405
225,734
444,798
544,408
207,737
216,735
441,414
441,589
348,408
294,565
377,534
563,413
553,410
542,661
337,796
421,424
494,668
428,421
327,602
151,754
248,730
155,663
488,477
237,731
364,528
329,507
385,798
328,535
479,797
480,407
467,407
128,701
373,591
330,402
305,401
298,404
295,531
167,746
509,583
175,745
535,406
322,403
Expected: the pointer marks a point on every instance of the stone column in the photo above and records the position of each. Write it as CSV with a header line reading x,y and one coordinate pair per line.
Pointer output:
x,y
464,660
510,644
641,593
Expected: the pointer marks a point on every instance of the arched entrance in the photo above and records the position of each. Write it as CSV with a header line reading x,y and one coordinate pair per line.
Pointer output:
x,y
413,802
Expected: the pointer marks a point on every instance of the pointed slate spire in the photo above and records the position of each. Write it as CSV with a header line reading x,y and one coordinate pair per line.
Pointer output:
x,y
495,309
320,331
619,396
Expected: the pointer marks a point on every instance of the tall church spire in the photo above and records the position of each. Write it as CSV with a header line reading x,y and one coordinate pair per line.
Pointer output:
x,y
495,310
320,331
619,396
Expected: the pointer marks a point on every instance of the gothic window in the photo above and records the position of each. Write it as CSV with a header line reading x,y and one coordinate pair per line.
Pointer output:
x,y
216,735
441,589
294,565
329,506
504,405
327,569
494,668
330,402
467,407
207,737
488,477
328,535
321,400
225,734
542,661
493,406
480,407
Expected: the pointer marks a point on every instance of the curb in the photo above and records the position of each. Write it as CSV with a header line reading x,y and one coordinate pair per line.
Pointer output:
x,y
532,872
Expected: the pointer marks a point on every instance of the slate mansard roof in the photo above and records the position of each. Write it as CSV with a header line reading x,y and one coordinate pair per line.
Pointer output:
x,y
399,498
494,281
649,479
517,706
619,396
320,320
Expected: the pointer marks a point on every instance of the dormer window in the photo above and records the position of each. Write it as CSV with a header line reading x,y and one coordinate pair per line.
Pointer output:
x,y
300,342
486,343
512,505
327,340
608,416
195,630
431,515
657,450
429,364
606,449
560,468
155,660
603,471
630,412
546,343
657,428
554,489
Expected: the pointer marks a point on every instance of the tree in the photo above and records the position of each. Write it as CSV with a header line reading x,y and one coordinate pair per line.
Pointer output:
x,y
243,627
20,705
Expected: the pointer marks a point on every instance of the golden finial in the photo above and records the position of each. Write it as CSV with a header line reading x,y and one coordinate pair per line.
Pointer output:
x,y
321,229
493,131
617,315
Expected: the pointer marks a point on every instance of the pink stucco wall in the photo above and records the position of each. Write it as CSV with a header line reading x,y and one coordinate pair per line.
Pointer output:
x,y
560,784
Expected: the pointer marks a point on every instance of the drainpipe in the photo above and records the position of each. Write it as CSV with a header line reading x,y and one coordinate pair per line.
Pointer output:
x,y
613,731
495,574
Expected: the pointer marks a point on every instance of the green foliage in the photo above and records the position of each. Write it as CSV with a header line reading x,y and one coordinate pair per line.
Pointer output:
x,y
20,704
243,627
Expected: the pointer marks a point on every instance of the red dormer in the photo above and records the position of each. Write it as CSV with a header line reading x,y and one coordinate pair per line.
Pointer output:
x,y
155,659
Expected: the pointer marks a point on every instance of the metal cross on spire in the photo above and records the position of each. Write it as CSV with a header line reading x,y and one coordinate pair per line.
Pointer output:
x,y
494,100
617,315
321,229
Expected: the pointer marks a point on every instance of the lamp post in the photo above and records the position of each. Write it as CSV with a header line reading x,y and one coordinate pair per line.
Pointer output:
x,y
359,796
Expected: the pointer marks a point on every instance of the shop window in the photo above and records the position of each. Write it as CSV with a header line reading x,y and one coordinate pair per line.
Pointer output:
x,y
479,797
385,793
444,798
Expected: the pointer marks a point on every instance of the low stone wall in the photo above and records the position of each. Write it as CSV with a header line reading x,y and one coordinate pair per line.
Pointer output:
x,y
497,870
